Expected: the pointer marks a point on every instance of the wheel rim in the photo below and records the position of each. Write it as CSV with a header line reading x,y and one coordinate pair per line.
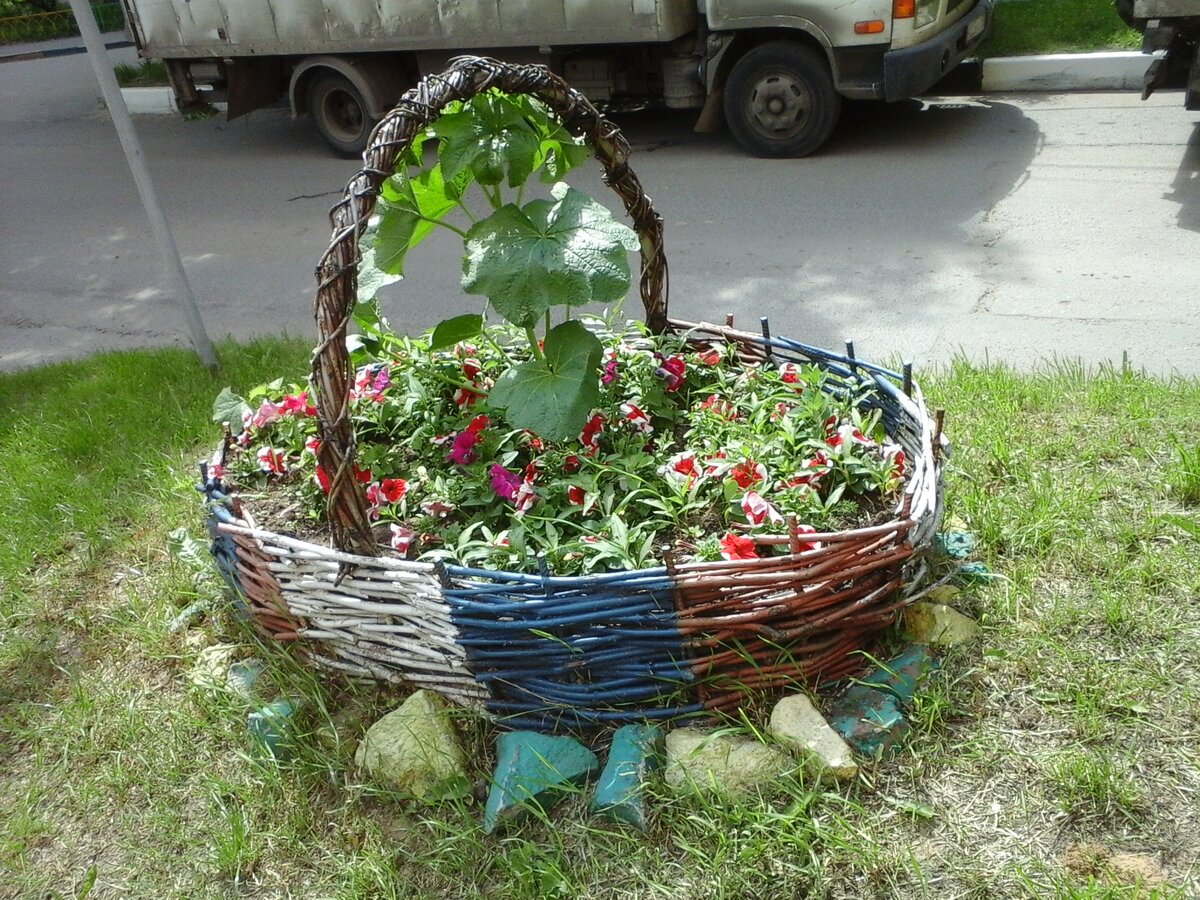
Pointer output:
x,y
779,105
343,115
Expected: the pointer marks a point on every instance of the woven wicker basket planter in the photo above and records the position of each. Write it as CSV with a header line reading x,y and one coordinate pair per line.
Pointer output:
x,y
542,651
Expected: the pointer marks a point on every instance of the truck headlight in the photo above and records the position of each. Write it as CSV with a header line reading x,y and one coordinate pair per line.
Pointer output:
x,y
926,12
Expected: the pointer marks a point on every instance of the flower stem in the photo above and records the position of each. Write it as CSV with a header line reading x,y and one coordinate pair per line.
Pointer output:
x,y
533,344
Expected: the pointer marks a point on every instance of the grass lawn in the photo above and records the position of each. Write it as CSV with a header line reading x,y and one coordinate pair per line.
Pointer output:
x,y
1057,26
1060,758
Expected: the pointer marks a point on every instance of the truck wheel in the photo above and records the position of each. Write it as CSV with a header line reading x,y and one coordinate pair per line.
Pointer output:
x,y
340,114
780,100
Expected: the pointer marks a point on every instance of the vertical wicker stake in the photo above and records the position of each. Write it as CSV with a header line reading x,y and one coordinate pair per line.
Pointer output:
x,y
793,534
728,320
939,419
908,379
765,323
850,355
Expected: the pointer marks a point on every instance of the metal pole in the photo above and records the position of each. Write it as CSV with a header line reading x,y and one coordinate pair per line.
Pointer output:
x,y
141,177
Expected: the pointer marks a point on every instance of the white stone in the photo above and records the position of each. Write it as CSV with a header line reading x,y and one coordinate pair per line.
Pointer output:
x,y
149,101
415,749
799,725
724,764
938,625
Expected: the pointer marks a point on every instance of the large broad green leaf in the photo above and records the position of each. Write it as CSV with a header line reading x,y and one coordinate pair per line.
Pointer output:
x,y
490,137
461,328
567,251
559,150
229,407
371,278
553,396
409,208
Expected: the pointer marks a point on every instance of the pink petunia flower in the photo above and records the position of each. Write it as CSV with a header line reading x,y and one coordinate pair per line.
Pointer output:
x,y
371,382
738,546
637,418
758,510
297,404
402,538
268,413
609,375
271,460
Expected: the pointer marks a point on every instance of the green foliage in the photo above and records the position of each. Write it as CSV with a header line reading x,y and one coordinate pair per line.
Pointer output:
x,y
553,393
568,252
525,258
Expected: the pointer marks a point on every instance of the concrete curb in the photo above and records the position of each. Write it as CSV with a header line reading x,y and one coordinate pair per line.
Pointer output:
x,y
1120,71
150,101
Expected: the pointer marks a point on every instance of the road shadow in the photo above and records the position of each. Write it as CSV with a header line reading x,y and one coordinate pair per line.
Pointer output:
x,y
1185,188
882,235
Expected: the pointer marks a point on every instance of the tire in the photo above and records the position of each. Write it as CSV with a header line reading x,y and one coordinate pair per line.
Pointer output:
x,y
780,100
339,113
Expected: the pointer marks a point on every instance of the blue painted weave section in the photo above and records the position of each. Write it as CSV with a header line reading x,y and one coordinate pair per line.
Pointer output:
x,y
572,652
221,546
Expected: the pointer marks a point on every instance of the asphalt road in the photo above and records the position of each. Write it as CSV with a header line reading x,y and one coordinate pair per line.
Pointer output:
x,y
1014,228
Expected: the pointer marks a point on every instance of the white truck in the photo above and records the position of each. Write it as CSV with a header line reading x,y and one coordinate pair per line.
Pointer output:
x,y
1170,29
780,67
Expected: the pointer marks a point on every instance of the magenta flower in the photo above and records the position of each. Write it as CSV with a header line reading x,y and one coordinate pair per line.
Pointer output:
x,y
671,371
371,382
297,404
462,451
504,482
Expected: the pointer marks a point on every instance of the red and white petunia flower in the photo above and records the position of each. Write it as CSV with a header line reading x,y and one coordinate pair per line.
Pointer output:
x,y
709,357
526,494
895,453
390,490
576,495
297,405
371,382
402,538
847,435
439,509
758,510
738,546
682,470
312,444
271,460
748,473
811,471
789,373
718,407
635,417
807,545
590,436
671,371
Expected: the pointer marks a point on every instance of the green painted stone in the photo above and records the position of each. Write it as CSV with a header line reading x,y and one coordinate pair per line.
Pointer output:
x,y
870,721
955,544
974,573
901,675
534,770
271,729
634,753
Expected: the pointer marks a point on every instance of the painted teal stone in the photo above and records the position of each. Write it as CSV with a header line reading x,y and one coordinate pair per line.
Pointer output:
x,y
635,752
955,544
901,675
974,573
243,676
270,729
870,721
534,770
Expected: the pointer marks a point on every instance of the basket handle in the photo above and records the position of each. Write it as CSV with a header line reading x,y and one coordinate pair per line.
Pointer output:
x,y
337,272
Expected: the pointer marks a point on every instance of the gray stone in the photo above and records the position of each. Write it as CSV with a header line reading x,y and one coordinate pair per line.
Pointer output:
x,y
799,725
415,749
939,625
727,765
